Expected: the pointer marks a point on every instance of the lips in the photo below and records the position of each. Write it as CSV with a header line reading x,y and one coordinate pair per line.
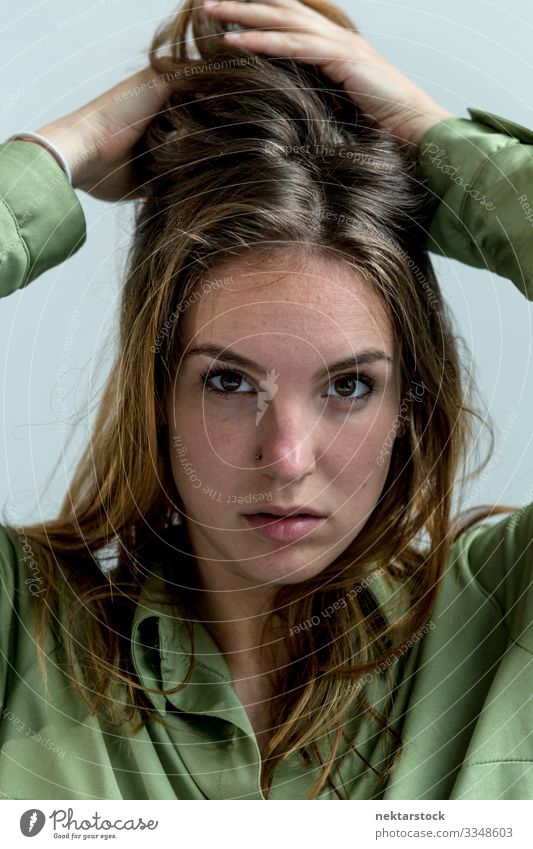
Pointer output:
x,y
283,527
297,510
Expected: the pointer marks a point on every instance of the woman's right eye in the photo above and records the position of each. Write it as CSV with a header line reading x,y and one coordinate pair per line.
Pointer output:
x,y
230,382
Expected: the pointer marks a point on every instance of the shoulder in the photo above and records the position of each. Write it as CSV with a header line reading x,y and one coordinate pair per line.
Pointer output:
x,y
498,557
9,561
21,579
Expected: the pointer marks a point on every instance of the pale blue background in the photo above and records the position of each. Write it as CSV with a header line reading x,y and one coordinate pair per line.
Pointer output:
x,y
58,54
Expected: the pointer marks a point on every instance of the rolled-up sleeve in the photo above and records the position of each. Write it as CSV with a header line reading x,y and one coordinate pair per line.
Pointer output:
x,y
41,219
480,174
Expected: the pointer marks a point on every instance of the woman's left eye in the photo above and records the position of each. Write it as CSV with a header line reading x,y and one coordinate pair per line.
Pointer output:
x,y
347,384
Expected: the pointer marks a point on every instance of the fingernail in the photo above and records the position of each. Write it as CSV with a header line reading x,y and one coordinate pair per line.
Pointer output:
x,y
211,2
232,36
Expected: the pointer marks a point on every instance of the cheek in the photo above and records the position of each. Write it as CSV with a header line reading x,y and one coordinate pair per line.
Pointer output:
x,y
223,428
360,458
207,455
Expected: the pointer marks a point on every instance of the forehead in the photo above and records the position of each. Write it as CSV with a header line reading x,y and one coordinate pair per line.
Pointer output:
x,y
318,300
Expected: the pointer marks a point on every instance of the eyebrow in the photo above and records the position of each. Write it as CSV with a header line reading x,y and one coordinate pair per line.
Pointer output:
x,y
225,354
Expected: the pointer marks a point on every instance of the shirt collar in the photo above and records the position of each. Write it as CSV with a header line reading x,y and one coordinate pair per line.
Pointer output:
x,y
161,650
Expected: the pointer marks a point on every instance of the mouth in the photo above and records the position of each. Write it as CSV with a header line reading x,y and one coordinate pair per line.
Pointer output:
x,y
288,527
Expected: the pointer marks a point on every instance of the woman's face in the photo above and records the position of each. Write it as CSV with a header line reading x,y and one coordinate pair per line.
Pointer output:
x,y
278,387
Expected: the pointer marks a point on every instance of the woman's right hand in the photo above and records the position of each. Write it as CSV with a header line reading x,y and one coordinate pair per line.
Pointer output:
x,y
97,139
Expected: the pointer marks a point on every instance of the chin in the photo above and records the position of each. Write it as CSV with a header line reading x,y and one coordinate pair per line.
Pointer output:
x,y
284,570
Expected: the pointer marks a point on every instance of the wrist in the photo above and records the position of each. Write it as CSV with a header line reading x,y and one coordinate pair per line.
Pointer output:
x,y
425,123
72,142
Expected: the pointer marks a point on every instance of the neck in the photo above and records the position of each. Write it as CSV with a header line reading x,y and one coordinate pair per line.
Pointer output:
x,y
239,618
238,614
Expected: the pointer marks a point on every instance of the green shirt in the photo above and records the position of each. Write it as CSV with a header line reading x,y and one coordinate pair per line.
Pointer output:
x,y
464,701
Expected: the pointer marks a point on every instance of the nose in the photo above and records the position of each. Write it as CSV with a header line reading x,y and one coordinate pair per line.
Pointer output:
x,y
285,439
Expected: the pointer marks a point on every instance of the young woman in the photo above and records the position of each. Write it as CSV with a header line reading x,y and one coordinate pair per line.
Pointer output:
x,y
256,587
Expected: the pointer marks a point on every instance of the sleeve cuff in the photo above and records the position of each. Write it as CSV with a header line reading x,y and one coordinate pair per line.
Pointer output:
x,y
46,214
449,164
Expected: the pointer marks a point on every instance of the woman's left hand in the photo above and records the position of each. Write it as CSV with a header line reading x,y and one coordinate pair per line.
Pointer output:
x,y
291,29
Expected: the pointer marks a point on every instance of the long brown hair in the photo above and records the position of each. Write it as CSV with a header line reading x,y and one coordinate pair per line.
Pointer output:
x,y
251,153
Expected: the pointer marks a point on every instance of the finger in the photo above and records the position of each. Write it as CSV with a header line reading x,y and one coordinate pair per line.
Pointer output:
x,y
262,15
280,3
313,49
